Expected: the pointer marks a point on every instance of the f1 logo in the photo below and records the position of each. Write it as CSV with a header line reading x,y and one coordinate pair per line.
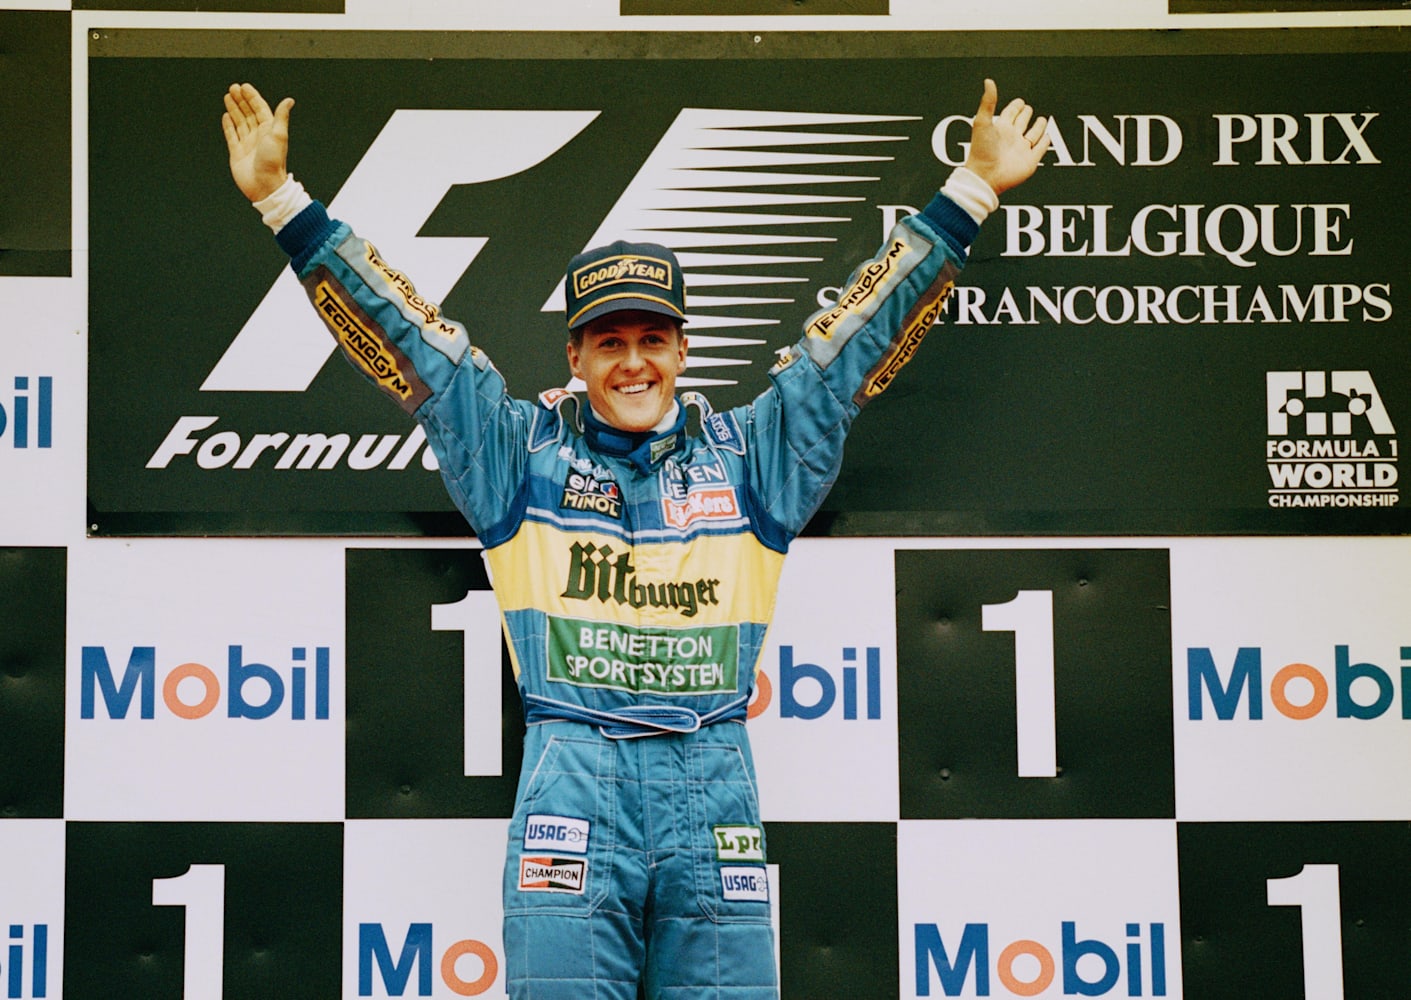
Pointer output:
x,y
695,167
384,200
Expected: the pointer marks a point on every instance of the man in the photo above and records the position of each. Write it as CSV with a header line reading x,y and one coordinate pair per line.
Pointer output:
x,y
635,562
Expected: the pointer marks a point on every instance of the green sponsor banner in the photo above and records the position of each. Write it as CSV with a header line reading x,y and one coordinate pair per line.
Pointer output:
x,y
667,661
1191,321
36,81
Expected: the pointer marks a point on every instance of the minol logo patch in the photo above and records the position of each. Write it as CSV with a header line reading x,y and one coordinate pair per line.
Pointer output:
x,y
738,843
550,874
749,884
556,833
620,270
582,492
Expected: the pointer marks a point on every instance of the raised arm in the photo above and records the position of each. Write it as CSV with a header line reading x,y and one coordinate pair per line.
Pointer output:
x,y
1005,148
397,340
257,140
852,351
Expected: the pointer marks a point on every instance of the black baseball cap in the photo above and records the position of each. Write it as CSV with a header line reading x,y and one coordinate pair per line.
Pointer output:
x,y
622,276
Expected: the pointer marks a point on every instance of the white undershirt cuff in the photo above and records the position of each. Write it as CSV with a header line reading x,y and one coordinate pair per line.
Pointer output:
x,y
285,202
971,192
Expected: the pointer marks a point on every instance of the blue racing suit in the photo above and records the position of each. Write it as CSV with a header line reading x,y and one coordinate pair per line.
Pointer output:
x,y
636,575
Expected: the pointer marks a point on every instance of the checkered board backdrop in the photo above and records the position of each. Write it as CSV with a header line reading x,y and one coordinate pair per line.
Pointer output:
x,y
1038,768
1115,718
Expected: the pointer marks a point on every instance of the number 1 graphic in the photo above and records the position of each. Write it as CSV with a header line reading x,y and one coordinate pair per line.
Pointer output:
x,y
201,890
1316,892
477,617
1030,617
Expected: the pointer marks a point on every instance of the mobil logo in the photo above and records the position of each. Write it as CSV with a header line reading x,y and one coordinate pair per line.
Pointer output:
x,y
24,971
1297,690
847,684
466,967
1135,966
191,690
27,421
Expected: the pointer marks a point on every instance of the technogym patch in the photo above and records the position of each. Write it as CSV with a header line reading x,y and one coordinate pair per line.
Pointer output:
x,y
550,874
745,884
738,843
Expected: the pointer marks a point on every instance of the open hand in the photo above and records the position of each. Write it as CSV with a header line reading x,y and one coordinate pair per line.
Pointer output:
x,y
257,140
1005,148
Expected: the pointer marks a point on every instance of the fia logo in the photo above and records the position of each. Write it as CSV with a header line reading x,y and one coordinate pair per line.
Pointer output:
x,y
1330,441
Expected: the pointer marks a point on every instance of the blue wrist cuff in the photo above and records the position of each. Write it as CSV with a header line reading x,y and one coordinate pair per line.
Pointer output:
x,y
304,234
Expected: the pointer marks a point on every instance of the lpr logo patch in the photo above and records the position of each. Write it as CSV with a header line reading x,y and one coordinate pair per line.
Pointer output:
x,y
738,843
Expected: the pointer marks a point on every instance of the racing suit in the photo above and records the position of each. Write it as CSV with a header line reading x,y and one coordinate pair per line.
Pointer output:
x,y
636,576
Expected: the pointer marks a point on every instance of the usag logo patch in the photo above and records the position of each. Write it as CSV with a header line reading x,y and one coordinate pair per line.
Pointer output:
x,y
750,884
556,833
738,843
551,874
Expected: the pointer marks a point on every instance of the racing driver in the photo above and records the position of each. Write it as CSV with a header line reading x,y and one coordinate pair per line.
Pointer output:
x,y
634,554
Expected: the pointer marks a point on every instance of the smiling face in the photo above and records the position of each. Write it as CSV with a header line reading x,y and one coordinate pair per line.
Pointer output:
x,y
629,360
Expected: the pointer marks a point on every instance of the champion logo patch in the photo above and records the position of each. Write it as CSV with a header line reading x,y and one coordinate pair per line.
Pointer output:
x,y
551,874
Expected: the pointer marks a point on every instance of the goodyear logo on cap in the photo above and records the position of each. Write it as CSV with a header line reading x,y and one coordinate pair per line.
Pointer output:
x,y
621,270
